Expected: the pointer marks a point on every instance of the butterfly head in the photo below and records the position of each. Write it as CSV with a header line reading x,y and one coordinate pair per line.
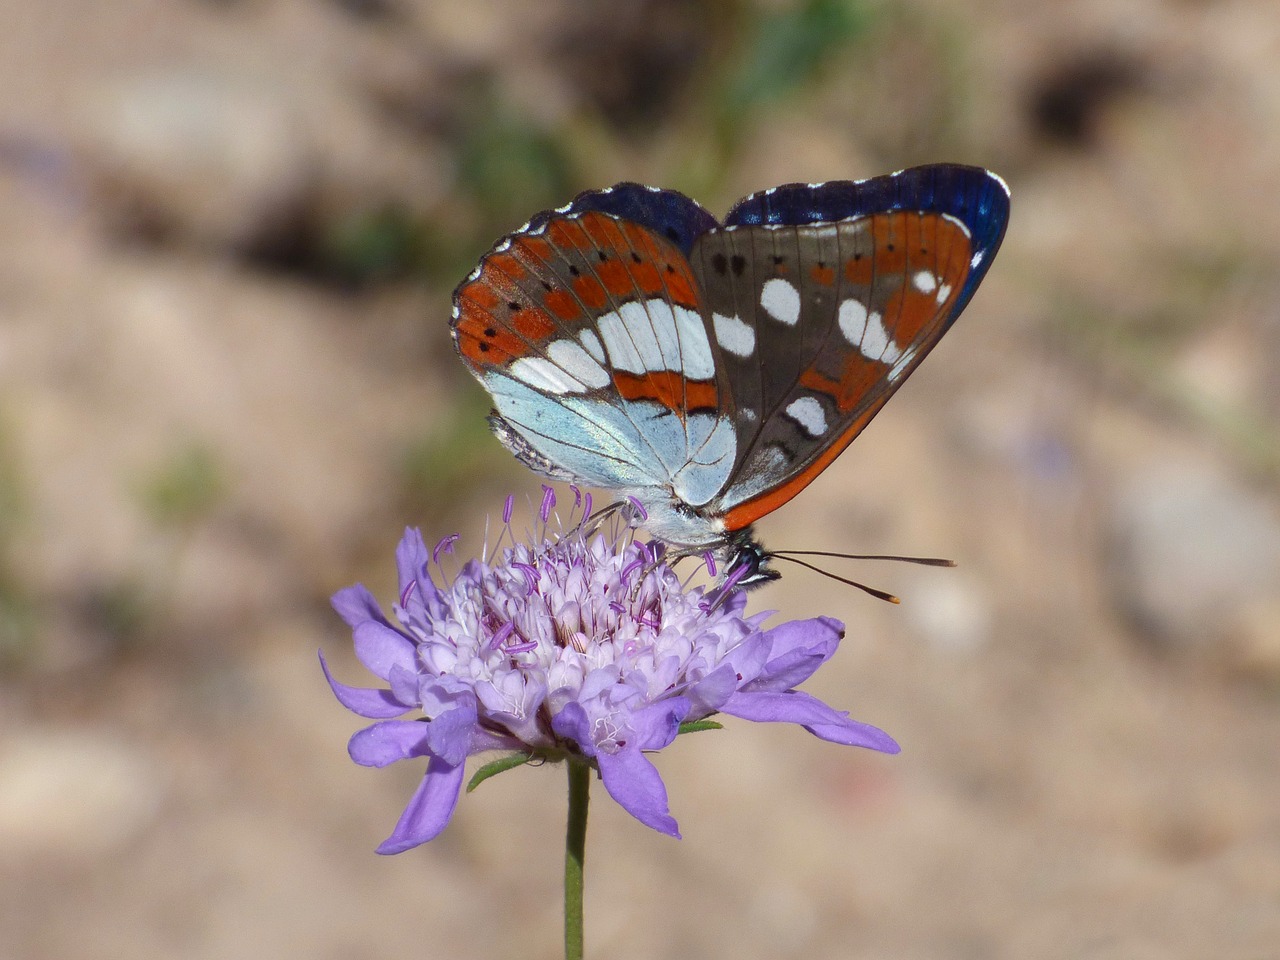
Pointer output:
x,y
748,563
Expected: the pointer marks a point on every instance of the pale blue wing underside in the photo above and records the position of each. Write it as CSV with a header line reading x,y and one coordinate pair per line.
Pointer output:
x,y
644,447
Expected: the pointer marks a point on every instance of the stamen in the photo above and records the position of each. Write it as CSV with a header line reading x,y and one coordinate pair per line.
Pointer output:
x,y
445,545
639,508
500,636
630,568
548,501
522,647
709,559
577,495
508,507
409,587
530,576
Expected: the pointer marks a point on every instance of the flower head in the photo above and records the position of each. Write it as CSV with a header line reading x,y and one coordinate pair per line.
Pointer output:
x,y
582,646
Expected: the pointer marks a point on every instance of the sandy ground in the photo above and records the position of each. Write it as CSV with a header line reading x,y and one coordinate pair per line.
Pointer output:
x,y
209,422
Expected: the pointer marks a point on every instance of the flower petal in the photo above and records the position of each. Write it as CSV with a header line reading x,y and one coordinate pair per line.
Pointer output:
x,y
380,648
374,703
422,602
429,810
411,557
355,605
822,721
656,725
384,743
572,723
711,692
450,734
637,786
799,648
853,733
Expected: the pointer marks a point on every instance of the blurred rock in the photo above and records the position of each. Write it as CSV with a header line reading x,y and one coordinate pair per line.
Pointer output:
x,y
72,793
197,154
948,611
1189,550
233,161
1253,650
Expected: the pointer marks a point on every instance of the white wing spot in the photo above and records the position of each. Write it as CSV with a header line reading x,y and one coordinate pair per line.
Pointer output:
x,y
781,300
867,333
924,281
977,259
808,412
853,321
735,336
642,337
944,291
573,360
593,344
544,375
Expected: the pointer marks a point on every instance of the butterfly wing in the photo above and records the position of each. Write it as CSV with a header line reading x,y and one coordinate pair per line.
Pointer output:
x,y
585,326
822,299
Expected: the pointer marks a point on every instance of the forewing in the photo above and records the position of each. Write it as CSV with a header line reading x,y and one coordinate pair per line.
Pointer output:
x,y
586,329
817,322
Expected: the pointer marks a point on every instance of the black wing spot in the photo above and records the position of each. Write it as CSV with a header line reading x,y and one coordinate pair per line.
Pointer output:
x,y
719,264
822,264
673,234
777,260
635,256
889,247
602,255
513,306
490,332
484,347
670,268
739,263
546,286
574,271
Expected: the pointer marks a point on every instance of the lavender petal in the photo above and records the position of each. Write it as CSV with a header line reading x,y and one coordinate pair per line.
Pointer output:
x,y
430,809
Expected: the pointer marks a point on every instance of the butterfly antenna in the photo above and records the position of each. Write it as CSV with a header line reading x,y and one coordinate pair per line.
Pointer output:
x,y
878,594
923,561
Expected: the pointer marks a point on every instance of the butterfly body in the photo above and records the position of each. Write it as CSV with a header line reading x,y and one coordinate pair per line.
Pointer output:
x,y
708,372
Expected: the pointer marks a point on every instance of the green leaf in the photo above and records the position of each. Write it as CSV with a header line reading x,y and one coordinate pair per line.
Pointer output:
x,y
495,767
696,726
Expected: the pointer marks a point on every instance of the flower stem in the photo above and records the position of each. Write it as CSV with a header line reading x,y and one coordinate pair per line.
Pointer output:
x,y
575,848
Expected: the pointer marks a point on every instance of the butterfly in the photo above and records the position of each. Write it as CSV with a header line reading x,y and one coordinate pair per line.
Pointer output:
x,y
707,372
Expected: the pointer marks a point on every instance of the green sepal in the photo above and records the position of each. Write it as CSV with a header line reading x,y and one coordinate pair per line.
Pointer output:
x,y
695,726
495,767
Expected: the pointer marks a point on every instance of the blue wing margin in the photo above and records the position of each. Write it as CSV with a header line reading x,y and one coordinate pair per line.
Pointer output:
x,y
667,213
976,197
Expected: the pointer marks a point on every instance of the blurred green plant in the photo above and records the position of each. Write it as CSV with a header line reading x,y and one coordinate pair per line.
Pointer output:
x,y
786,49
185,487
368,247
776,54
19,613
457,453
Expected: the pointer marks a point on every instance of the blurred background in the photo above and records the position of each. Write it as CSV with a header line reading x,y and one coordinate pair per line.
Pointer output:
x,y
228,234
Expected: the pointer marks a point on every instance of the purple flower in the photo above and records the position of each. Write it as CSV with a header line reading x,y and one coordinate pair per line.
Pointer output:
x,y
584,647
